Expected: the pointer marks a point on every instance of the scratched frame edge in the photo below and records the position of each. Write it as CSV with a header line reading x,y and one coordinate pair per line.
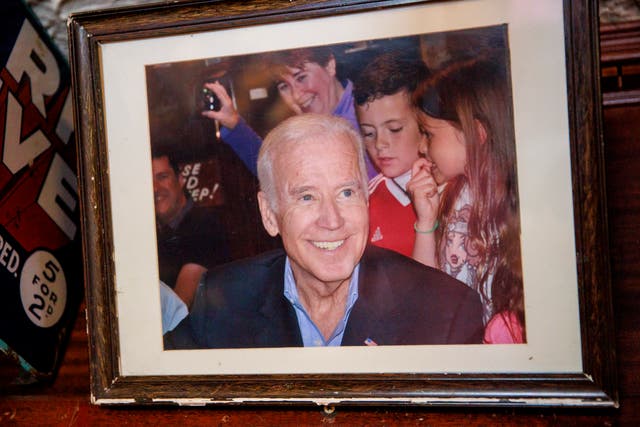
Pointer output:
x,y
596,386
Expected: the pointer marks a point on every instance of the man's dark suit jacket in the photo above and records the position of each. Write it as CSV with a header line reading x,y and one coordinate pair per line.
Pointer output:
x,y
400,302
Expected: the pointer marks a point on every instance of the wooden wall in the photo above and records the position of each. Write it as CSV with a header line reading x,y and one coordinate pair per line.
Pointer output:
x,y
66,400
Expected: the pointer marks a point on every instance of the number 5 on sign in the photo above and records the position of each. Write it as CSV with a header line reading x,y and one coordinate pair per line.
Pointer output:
x,y
43,289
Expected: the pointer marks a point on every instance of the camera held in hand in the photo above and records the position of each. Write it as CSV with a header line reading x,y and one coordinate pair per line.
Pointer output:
x,y
210,100
206,98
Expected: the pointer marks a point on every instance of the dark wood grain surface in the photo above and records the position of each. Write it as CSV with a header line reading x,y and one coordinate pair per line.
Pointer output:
x,y
66,402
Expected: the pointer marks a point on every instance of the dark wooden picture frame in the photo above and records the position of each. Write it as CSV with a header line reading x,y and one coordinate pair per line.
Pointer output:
x,y
594,385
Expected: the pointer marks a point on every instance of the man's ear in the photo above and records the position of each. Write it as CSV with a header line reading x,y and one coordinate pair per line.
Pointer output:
x,y
181,180
481,131
269,219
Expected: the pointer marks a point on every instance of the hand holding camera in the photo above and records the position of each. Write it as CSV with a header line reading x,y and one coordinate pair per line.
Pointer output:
x,y
211,100
218,105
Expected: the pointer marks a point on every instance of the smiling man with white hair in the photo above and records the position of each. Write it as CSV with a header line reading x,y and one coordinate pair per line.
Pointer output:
x,y
326,288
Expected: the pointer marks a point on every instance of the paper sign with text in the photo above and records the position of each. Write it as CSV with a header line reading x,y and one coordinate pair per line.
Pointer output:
x,y
40,250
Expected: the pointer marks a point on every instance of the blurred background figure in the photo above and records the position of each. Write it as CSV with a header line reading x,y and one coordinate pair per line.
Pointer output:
x,y
190,238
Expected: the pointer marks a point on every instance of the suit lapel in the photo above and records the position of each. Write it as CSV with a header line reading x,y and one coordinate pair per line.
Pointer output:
x,y
376,301
277,324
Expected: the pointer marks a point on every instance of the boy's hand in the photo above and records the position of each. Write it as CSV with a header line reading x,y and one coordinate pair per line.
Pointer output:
x,y
424,194
227,116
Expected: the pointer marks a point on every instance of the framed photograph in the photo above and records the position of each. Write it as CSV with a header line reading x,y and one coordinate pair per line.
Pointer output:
x,y
149,83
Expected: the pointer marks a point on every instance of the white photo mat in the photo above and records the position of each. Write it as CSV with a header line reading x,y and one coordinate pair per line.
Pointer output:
x,y
538,78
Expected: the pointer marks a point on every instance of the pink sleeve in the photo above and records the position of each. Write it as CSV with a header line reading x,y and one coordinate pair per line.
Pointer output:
x,y
503,328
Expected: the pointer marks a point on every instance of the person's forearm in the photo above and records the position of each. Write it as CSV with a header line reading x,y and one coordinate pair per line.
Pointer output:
x,y
424,249
187,282
244,142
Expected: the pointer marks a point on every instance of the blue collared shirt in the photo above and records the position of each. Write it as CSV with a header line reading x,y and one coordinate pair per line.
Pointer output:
x,y
311,335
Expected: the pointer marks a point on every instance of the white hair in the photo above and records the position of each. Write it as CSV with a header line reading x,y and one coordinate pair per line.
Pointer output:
x,y
298,130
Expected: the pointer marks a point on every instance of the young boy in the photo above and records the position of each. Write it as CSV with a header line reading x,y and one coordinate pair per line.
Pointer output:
x,y
392,137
